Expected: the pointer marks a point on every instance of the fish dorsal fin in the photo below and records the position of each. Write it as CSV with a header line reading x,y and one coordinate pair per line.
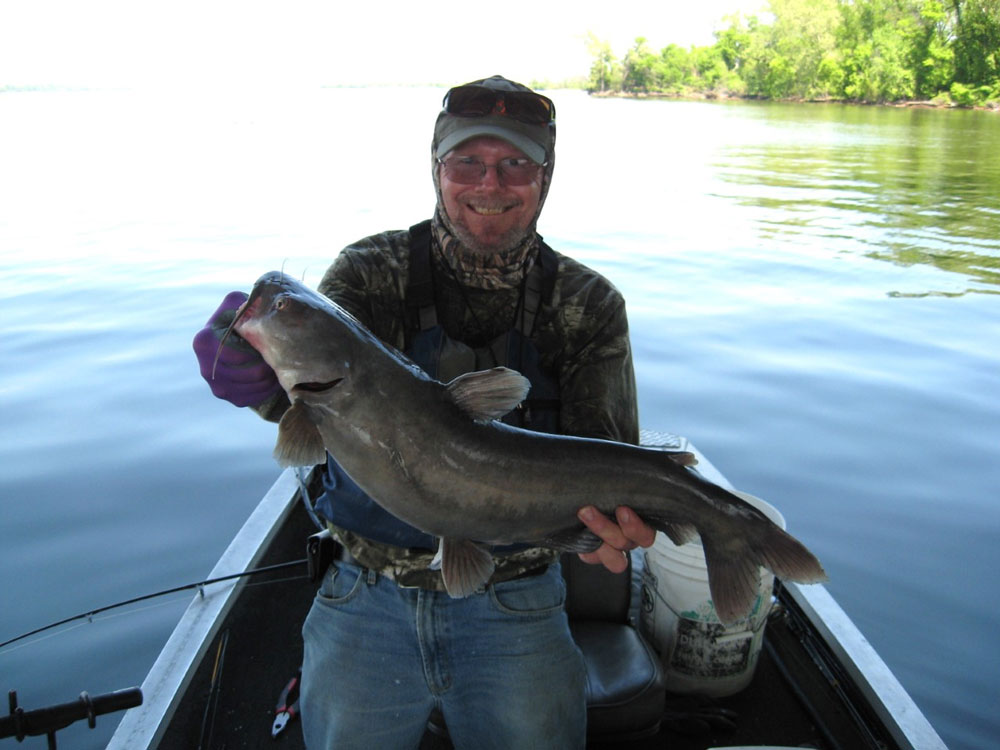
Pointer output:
x,y
682,458
465,566
489,394
299,442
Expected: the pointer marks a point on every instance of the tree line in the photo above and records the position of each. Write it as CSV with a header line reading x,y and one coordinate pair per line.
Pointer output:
x,y
875,51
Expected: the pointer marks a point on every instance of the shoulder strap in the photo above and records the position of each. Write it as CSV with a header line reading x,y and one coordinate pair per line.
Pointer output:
x,y
420,308
539,286
421,313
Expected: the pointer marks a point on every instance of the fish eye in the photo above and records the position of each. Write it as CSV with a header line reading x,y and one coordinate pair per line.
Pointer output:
x,y
280,302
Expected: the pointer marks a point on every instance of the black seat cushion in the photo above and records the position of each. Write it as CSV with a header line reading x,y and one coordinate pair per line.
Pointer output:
x,y
626,689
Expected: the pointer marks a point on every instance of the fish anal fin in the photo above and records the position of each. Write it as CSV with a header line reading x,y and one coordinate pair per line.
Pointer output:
x,y
577,539
465,566
489,394
680,533
677,532
299,441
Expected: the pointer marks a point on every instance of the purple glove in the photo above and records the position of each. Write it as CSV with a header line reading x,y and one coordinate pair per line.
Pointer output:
x,y
242,377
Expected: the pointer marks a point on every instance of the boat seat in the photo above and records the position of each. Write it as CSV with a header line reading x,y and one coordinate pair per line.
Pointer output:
x,y
626,688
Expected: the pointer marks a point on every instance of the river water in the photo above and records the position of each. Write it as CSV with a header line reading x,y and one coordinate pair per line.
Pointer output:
x,y
812,294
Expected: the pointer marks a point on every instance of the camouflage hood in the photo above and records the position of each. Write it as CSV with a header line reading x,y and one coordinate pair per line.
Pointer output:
x,y
506,268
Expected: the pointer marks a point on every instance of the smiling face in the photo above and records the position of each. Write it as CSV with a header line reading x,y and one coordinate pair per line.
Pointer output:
x,y
490,216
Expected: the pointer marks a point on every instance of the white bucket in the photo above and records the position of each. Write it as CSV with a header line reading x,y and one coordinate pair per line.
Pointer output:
x,y
699,653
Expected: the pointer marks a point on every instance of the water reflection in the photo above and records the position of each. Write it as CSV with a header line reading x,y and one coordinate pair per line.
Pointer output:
x,y
911,187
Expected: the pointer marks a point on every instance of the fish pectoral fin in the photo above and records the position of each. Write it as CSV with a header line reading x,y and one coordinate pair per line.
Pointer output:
x,y
299,442
435,563
465,566
577,539
489,394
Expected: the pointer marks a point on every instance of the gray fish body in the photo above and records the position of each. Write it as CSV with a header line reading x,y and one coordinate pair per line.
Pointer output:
x,y
434,455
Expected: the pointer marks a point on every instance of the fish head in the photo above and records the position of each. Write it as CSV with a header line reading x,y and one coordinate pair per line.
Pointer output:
x,y
304,337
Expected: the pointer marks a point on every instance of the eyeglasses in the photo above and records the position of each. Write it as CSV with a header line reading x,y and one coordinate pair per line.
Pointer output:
x,y
479,101
468,170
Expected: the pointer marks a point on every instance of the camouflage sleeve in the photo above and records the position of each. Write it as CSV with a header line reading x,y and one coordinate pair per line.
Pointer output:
x,y
596,375
368,279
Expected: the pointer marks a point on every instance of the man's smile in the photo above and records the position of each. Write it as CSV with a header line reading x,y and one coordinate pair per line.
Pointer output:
x,y
489,215
490,207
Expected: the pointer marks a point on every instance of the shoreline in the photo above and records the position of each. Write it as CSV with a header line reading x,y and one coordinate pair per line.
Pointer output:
x,y
713,96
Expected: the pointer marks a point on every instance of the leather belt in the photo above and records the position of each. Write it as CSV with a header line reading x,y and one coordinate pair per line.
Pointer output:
x,y
427,579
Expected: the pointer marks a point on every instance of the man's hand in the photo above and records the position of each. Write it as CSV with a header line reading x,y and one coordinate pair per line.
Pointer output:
x,y
629,532
237,373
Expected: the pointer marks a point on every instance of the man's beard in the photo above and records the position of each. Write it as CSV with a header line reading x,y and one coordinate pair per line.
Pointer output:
x,y
497,245
508,241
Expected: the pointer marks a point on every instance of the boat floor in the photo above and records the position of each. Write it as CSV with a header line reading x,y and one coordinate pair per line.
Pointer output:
x,y
264,650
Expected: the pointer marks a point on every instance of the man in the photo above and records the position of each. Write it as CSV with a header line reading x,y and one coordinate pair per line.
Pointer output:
x,y
473,288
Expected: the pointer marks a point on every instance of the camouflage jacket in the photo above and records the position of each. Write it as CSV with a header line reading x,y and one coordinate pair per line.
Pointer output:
x,y
581,336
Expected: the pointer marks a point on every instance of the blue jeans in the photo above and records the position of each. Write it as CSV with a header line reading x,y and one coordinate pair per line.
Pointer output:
x,y
500,665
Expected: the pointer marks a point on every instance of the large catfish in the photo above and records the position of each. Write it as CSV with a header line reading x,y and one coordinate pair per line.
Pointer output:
x,y
434,455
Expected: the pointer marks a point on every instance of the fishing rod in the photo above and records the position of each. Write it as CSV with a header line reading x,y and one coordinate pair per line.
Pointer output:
x,y
200,585
20,723
313,547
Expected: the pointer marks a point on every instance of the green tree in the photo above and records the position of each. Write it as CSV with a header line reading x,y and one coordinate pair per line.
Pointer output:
x,y
784,59
638,67
734,40
977,42
932,59
805,36
674,70
710,68
604,72
862,50
876,39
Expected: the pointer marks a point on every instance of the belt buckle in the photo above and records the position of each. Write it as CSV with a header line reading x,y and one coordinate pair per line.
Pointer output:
x,y
431,583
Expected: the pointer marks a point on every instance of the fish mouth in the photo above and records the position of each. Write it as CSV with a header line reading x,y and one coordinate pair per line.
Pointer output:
x,y
317,387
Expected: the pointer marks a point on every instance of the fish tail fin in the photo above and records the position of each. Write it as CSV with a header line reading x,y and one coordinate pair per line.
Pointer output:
x,y
788,558
734,568
733,577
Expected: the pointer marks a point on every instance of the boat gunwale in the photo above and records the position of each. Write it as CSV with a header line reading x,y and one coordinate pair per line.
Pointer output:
x,y
887,697
171,673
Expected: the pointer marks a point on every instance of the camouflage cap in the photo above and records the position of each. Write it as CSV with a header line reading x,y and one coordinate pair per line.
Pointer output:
x,y
536,140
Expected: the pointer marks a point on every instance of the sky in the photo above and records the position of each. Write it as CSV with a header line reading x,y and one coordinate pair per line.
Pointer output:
x,y
185,43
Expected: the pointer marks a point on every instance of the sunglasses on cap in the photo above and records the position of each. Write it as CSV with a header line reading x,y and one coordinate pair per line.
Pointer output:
x,y
480,101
